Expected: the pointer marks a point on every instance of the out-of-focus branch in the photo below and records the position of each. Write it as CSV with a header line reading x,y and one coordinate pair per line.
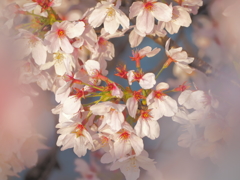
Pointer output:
x,y
44,168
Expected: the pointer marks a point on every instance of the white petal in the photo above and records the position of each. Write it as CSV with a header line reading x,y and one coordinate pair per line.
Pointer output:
x,y
66,45
71,105
132,106
135,9
145,22
39,53
148,81
162,86
162,12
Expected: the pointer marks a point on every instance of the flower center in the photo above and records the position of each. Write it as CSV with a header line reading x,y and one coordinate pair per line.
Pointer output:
x,y
125,135
59,57
148,6
61,33
102,41
79,130
158,94
111,12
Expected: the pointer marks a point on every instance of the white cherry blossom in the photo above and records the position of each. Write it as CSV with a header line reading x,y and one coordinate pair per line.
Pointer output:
x,y
110,15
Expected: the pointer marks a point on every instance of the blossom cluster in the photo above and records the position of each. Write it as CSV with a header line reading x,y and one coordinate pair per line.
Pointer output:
x,y
70,58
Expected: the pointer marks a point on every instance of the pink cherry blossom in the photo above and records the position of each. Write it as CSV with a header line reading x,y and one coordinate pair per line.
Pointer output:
x,y
181,17
160,103
125,141
147,125
147,11
75,136
31,44
59,36
112,113
178,56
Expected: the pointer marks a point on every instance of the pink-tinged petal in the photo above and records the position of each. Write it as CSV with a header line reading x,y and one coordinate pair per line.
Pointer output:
x,y
184,96
137,144
79,147
63,92
132,106
181,117
75,30
78,43
162,12
167,46
39,53
47,65
100,109
150,98
145,22
121,148
97,17
184,18
168,106
185,67
122,19
182,55
190,99
148,81
153,52
68,142
144,51
111,25
135,9
71,105
135,39
162,86
175,51
66,45
52,42
156,110
115,120
29,6
154,129
92,67
117,92
130,76
139,129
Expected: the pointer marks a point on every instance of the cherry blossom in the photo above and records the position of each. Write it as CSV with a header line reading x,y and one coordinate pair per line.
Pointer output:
x,y
160,103
147,125
75,136
146,81
31,44
178,56
110,15
147,11
181,17
112,114
60,32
